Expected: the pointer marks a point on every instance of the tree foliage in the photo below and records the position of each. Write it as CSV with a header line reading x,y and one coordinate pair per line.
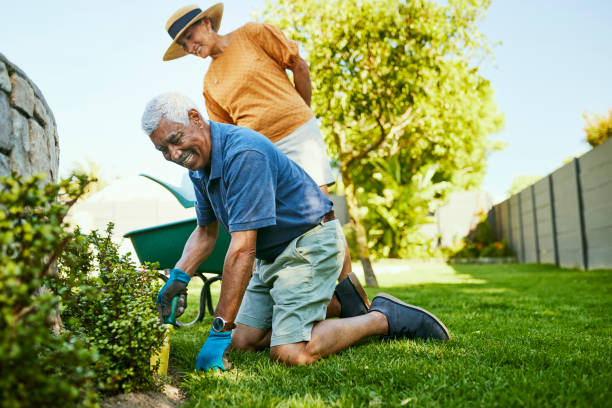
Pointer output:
x,y
598,128
398,203
396,79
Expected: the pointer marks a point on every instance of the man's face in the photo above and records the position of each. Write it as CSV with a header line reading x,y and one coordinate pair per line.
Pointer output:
x,y
185,145
198,39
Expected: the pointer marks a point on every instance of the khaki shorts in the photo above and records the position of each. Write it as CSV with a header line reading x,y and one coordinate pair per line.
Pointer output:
x,y
292,293
305,146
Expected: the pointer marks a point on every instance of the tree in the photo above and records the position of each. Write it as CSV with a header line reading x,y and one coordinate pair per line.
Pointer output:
x,y
395,79
398,203
598,128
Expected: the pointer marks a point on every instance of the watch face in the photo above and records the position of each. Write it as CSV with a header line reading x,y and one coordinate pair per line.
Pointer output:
x,y
218,324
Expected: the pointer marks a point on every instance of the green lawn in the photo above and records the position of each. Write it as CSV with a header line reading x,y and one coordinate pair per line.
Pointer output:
x,y
523,335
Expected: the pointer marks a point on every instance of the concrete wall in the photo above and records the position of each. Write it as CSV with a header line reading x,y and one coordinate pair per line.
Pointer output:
x,y
564,218
28,133
596,185
546,238
528,226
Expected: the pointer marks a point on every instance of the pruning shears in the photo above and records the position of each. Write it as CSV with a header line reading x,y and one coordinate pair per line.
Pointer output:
x,y
171,319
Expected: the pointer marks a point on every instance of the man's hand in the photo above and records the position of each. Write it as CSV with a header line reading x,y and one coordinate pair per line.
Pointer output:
x,y
211,354
175,286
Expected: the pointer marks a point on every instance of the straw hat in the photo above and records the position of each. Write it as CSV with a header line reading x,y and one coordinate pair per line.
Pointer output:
x,y
182,19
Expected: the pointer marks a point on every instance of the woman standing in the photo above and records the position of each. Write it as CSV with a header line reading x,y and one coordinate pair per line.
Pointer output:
x,y
246,83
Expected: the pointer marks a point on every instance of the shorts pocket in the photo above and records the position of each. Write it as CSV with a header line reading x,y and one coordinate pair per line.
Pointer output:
x,y
317,244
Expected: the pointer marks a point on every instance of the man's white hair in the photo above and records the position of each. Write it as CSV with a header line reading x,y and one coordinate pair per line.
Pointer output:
x,y
171,105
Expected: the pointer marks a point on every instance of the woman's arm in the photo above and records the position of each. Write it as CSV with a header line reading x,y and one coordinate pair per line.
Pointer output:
x,y
301,78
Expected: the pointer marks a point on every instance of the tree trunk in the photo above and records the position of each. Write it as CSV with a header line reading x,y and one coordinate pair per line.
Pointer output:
x,y
360,232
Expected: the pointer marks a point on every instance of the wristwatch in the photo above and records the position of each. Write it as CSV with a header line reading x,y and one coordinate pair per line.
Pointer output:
x,y
219,324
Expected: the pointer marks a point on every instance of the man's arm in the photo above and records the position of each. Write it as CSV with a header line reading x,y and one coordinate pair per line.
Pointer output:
x,y
198,247
301,77
237,271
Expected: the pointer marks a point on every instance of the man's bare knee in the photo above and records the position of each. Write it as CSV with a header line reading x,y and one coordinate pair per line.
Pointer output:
x,y
293,354
250,339
242,343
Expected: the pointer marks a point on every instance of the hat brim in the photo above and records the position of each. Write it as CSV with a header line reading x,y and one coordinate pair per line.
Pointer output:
x,y
214,13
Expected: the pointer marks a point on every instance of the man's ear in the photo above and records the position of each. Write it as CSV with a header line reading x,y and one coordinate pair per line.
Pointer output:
x,y
195,117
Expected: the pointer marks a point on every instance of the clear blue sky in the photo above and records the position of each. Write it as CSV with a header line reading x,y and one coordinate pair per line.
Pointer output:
x,y
98,63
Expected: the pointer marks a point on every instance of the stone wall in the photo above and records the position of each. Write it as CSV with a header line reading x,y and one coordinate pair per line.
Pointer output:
x,y
28,133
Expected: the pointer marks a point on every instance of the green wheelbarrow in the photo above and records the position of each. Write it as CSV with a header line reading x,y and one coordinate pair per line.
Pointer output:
x,y
164,244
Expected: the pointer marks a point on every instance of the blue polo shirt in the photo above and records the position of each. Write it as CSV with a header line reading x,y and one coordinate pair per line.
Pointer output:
x,y
253,186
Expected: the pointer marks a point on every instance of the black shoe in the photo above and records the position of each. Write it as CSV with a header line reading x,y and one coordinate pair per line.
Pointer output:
x,y
353,299
408,321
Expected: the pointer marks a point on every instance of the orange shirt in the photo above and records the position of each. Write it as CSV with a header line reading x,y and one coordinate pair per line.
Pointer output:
x,y
247,84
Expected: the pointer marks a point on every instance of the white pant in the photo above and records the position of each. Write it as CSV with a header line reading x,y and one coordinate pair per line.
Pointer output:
x,y
305,147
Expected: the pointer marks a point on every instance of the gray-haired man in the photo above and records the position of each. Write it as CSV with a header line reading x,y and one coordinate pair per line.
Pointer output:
x,y
277,215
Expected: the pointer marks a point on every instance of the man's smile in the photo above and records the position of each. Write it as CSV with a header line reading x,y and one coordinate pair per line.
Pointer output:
x,y
185,159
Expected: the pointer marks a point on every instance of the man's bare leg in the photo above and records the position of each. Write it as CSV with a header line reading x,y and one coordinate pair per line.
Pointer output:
x,y
249,338
334,308
331,336
327,337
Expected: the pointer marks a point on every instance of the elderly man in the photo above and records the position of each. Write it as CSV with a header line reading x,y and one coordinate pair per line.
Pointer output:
x,y
277,215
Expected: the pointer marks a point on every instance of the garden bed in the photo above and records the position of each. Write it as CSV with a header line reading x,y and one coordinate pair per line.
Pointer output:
x,y
169,397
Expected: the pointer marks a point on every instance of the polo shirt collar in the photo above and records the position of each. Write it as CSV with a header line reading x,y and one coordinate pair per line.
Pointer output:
x,y
216,164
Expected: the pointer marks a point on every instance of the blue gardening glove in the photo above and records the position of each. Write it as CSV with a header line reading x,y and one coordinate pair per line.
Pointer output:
x,y
176,285
211,354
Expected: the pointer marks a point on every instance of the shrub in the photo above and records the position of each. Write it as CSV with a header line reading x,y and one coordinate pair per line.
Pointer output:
x,y
482,234
480,243
109,303
497,249
38,368
111,325
597,127
469,250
